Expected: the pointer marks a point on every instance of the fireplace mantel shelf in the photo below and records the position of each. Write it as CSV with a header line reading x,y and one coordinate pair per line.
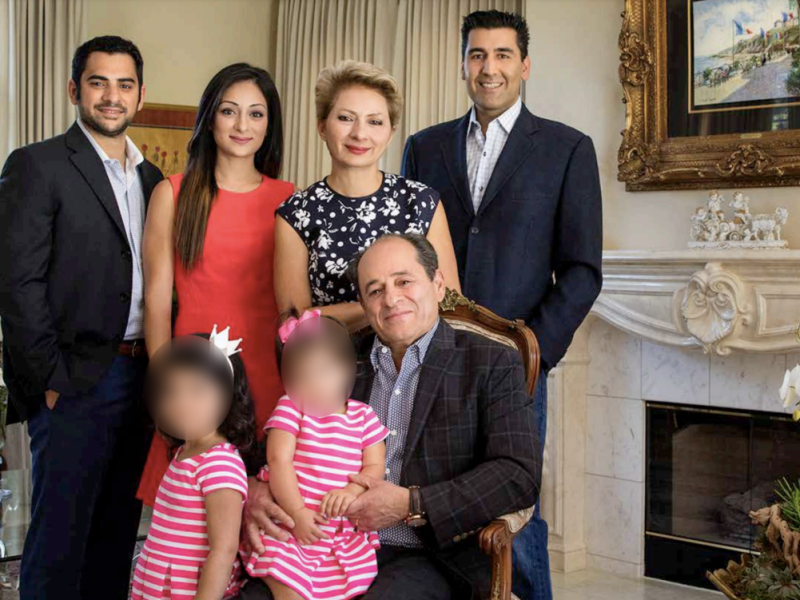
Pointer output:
x,y
720,301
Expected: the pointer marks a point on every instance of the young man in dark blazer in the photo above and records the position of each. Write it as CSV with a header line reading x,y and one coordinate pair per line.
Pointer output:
x,y
522,196
72,210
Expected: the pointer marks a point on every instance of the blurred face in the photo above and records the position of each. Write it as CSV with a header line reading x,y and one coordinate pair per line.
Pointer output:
x,y
357,130
401,302
317,381
240,125
191,405
109,95
494,69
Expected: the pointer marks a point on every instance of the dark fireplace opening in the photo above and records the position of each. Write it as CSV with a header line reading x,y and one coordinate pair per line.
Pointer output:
x,y
706,470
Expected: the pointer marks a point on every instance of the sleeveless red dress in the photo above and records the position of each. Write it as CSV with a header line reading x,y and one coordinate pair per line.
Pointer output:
x,y
232,284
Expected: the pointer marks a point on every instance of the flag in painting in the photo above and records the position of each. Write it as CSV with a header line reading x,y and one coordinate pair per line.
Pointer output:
x,y
739,28
748,31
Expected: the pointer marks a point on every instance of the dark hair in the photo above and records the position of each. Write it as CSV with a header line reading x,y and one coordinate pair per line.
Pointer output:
x,y
496,19
426,255
110,44
199,186
238,427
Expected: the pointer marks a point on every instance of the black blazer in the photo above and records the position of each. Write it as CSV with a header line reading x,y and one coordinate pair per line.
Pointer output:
x,y
472,446
65,268
533,251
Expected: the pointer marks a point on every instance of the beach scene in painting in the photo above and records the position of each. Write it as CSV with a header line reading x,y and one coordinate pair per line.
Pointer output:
x,y
745,51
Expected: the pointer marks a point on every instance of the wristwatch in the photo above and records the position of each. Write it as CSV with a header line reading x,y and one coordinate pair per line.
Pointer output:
x,y
416,514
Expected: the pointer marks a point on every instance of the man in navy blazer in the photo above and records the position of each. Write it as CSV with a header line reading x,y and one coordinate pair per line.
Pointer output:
x,y
522,196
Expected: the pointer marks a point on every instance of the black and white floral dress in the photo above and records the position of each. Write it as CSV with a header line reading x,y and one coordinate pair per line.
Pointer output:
x,y
335,228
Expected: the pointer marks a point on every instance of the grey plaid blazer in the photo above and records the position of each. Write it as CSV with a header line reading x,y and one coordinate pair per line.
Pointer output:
x,y
472,445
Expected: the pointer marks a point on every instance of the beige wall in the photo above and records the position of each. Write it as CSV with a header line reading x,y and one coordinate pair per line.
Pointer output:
x,y
574,80
184,42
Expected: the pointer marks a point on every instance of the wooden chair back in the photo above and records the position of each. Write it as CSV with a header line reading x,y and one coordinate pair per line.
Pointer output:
x,y
462,313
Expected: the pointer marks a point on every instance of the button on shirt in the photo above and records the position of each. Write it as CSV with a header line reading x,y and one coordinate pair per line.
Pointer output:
x,y
392,399
483,151
128,190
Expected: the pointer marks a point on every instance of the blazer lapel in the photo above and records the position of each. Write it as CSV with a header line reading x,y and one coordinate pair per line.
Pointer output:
x,y
454,151
87,161
365,374
430,379
519,145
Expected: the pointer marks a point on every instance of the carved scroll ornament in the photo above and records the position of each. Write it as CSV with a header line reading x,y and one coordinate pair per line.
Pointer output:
x,y
713,307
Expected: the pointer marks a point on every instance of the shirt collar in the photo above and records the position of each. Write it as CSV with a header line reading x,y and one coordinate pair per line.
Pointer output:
x,y
418,349
132,153
507,120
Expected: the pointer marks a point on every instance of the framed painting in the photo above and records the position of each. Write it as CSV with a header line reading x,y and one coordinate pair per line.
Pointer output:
x,y
712,93
162,133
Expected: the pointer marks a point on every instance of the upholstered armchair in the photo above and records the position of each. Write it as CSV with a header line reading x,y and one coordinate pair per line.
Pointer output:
x,y
461,313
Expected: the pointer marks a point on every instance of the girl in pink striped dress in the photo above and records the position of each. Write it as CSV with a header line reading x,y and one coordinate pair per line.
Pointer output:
x,y
317,437
198,397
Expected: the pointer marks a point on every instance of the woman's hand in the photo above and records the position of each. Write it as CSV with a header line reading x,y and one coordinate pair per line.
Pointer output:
x,y
336,502
305,529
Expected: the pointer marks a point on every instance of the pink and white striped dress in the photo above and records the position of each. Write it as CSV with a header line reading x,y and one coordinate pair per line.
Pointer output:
x,y
328,450
177,543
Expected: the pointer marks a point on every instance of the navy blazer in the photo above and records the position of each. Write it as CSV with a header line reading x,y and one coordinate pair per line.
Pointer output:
x,y
533,250
66,268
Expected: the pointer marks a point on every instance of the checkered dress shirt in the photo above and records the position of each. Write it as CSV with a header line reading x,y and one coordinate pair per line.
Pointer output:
x,y
484,151
392,399
128,191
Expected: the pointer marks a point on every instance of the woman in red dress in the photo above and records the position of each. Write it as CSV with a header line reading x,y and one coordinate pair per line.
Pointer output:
x,y
209,232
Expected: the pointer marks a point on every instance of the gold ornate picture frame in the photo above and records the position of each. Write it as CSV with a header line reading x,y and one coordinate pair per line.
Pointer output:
x,y
739,147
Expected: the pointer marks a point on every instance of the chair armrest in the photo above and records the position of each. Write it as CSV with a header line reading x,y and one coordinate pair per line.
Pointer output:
x,y
502,530
495,540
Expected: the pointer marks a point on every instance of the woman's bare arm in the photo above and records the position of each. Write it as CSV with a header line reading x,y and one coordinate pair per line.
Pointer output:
x,y
158,252
292,288
439,237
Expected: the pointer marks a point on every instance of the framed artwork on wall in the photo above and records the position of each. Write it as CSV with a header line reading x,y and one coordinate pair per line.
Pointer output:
x,y
162,133
712,93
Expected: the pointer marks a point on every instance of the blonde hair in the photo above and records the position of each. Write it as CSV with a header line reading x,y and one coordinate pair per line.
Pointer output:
x,y
350,73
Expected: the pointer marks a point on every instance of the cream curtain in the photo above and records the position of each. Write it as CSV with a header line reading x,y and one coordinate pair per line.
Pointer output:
x,y
38,40
417,41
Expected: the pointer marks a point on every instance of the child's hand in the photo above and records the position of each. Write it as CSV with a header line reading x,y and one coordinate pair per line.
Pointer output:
x,y
336,502
305,527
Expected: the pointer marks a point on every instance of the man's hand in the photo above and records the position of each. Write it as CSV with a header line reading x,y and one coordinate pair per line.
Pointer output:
x,y
259,510
51,397
382,505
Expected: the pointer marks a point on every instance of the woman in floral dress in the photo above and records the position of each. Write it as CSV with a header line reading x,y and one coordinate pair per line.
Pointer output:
x,y
319,229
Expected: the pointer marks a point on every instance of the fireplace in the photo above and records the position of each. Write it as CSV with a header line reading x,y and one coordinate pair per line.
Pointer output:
x,y
706,469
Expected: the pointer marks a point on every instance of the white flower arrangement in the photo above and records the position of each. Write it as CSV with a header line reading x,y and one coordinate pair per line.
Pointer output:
x,y
789,393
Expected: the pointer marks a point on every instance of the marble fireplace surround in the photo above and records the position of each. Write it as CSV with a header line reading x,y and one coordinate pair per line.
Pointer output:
x,y
700,327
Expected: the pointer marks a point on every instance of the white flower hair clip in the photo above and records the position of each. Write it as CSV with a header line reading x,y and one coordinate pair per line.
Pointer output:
x,y
221,341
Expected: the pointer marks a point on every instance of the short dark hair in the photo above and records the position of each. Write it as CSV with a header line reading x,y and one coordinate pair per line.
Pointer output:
x,y
426,255
496,19
110,44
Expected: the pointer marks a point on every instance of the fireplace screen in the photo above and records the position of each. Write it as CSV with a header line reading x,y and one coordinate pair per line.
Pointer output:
x,y
706,470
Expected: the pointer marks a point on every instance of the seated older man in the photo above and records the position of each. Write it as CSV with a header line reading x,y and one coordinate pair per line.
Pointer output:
x,y
463,448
